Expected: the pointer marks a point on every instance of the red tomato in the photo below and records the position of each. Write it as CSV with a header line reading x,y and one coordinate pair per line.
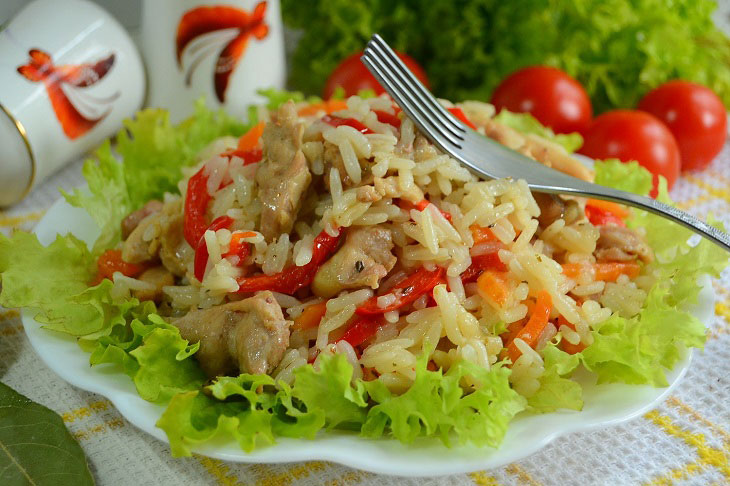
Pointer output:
x,y
548,94
353,76
695,116
634,135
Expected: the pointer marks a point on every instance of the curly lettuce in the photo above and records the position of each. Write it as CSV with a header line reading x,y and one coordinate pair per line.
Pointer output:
x,y
528,124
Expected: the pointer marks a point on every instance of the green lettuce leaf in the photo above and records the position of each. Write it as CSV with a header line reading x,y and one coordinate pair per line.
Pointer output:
x,y
557,392
329,391
528,124
626,176
639,349
239,407
436,405
152,353
53,281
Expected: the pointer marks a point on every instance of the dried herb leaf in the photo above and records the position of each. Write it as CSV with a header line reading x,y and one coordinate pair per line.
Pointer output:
x,y
35,447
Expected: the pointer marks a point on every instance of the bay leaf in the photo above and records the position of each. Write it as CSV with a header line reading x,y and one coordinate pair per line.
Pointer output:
x,y
35,446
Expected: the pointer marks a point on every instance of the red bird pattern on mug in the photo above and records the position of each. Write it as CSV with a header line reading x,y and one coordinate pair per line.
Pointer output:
x,y
206,20
41,69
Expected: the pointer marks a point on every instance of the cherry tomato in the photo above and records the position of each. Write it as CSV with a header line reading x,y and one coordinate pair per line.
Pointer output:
x,y
696,117
353,76
550,95
634,135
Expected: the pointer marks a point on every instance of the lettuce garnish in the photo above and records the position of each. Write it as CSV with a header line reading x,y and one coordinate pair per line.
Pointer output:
x,y
130,337
528,124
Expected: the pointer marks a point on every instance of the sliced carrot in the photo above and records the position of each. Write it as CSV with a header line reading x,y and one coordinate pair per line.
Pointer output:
x,y
574,270
569,348
534,327
611,271
327,106
310,316
606,271
609,206
512,330
482,234
494,285
250,139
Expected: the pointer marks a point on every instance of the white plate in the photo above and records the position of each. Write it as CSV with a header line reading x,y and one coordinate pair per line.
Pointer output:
x,y
604,404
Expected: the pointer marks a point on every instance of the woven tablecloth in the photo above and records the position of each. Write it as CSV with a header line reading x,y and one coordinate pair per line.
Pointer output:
x,y
686,440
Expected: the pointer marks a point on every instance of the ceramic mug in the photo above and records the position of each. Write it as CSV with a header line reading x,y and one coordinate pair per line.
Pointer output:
x,y
223,50
69,75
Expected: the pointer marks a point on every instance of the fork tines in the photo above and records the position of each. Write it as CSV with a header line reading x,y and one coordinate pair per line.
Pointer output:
x,y
408,92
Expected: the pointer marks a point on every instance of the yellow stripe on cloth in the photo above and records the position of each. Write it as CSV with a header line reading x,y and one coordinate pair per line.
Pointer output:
x,y
9,314
716,192
521,474
722,309
12,221
97,429
481,478
87,411
695,415
219,470
8,330
287,477
349,477
708,456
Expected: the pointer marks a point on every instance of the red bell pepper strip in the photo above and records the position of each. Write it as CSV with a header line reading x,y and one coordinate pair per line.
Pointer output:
x,y
201,250
361,330
238,247
461,116
336,121
406,291
250,156
389,118
197,197
294,278
111,261
479,263
196,204
420,206
601,217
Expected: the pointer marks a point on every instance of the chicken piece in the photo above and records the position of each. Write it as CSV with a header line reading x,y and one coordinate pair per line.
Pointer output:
x,y
283,175
364,259
543,150
135,217
160,234
386,187
620,244
245,336
368,194
174,249
157,276
551,207
332,158
143,243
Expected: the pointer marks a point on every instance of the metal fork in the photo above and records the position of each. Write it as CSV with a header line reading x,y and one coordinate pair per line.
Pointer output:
x,y
493,160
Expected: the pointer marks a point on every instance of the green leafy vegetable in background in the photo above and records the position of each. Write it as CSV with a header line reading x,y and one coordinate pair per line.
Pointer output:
x,y
35,447
618,49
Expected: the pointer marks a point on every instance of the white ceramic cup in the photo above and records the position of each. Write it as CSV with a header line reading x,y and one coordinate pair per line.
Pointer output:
x,y
223,50
69,75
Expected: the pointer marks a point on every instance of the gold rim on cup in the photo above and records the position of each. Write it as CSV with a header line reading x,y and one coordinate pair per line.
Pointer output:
x,y
24,135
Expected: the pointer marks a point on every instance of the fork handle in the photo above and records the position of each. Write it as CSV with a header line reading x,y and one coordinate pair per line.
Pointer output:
x,y
580,188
